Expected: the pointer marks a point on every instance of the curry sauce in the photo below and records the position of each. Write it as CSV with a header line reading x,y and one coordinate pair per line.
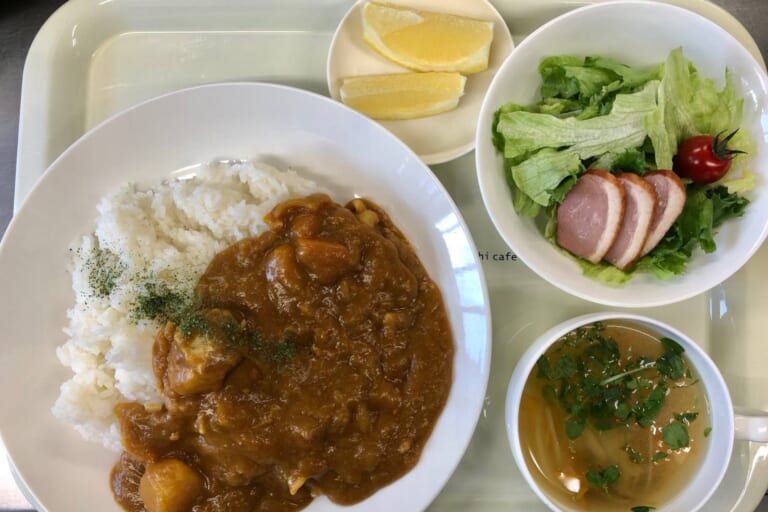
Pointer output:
x,y
316,362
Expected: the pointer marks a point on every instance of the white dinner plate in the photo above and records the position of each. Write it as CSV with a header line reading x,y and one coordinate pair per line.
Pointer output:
x,y
340,149
439,138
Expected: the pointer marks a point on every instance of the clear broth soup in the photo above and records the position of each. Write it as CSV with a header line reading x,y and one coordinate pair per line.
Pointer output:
x,y
613,418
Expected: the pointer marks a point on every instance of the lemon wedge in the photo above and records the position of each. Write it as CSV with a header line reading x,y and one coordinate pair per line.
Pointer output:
x,y
403,95
427,41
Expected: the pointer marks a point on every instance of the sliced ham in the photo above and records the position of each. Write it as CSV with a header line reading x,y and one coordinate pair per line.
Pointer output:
x,y
670,200
589,217
640,202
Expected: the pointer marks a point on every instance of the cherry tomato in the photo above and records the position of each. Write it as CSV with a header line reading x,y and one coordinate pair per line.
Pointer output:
x,y
705,158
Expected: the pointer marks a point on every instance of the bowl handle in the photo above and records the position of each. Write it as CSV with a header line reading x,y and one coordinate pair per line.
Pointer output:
x,y
751,424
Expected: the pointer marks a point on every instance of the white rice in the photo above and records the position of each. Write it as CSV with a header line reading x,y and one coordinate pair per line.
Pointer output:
x,y
172,229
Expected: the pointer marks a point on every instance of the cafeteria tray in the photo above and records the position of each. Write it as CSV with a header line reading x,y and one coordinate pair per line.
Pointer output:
x,y
94,58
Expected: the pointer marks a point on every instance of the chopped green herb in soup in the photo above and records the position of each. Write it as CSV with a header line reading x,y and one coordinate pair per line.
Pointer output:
x,y
610,418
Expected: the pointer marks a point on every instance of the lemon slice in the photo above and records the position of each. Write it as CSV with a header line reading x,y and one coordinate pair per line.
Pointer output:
x,y
427,41
403,95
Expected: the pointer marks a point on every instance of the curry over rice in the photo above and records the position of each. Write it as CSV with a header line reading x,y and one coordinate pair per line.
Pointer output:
x,y
314,360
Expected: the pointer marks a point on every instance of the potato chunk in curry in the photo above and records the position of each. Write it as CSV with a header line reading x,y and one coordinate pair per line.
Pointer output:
x,y
169,486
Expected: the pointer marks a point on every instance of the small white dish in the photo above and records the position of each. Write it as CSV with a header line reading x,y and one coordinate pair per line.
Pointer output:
x,y
640,33
438,138
279,125
727,424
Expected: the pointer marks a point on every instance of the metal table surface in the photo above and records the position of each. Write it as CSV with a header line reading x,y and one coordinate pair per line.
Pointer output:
x,y
19,22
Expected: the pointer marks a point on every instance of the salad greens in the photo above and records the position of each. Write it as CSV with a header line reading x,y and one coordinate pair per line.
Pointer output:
x,y
689,105
546,149
597,113
705,210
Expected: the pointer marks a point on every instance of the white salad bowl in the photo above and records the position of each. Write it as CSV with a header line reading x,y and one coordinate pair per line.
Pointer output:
x,y
637,33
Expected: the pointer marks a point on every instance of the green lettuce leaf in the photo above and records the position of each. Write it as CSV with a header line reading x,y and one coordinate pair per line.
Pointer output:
x,y
523,204
527,132
585,87
630,77
746,142
538,176
565,186
604,272
498,138
725,205
550,228
559,107
664,262
631,160
705,210
744,183
694,226
591,81
689,105
555,82
548,149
